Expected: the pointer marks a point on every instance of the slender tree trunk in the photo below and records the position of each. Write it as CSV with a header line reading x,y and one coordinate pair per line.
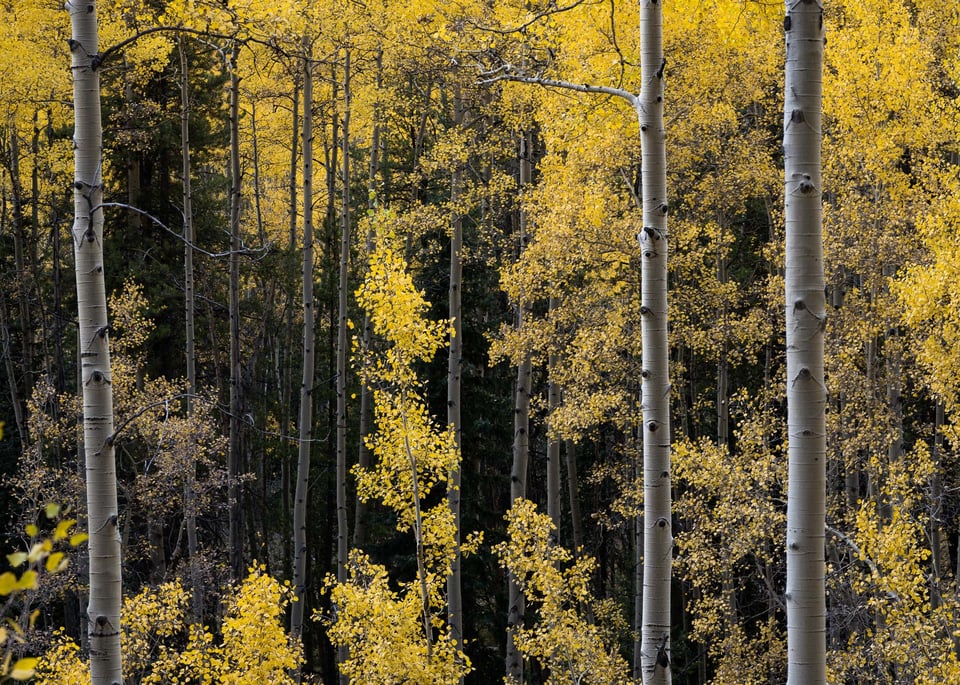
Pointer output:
x,y
11,370
287,387
805,322
234,453
102,512
189,480
366,406
342,304
342,346
20,249
573,486
723,366
454,368
553,442
553,459
938,541
637,574
521,443
655,386
301,494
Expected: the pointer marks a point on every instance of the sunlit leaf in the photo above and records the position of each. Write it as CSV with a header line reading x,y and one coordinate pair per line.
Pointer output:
x,y
24,668
16,558
60,532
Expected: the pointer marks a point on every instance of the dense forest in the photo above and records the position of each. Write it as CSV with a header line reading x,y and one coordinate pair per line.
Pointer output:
x,y
342,341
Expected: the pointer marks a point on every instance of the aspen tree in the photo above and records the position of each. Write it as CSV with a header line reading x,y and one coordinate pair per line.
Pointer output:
x,y
307,380
373,173
189,485
234,455
409,641
655,386
521,438
98,432
342,286
655,402
805,325
454,368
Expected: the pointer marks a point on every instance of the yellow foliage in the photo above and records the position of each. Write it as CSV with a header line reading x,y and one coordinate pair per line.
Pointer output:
x,y
574,649
159,646
391,634
384,631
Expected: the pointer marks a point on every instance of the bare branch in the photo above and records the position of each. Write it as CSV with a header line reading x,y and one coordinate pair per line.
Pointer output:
x,y
260,251
507,73
553,9
865,559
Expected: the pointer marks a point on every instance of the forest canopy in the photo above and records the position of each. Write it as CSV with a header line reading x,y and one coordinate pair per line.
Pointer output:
x,y
342,341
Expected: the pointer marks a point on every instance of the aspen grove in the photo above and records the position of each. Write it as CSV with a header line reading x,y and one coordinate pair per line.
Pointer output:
x,y
342,342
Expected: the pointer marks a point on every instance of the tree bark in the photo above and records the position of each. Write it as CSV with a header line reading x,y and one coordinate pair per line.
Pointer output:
x,y
234,449
287,371
454,367
22,282
655,386
805,323
553,443
366,405
189,481
98,437
307,379
521,441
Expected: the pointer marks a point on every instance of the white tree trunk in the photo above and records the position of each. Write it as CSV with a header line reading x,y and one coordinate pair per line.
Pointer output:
x,y
102,515
189,480
307,380
805,321
658,531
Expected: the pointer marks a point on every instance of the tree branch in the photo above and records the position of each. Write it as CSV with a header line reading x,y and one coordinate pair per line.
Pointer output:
x,y
245,251
507,73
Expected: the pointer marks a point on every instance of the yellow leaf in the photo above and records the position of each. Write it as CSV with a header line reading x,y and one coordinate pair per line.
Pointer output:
x,y
8,583
23,669
78,539
17,558
55,562
33,618
32,530
28,581
51,510
39,550
1,430
61,530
